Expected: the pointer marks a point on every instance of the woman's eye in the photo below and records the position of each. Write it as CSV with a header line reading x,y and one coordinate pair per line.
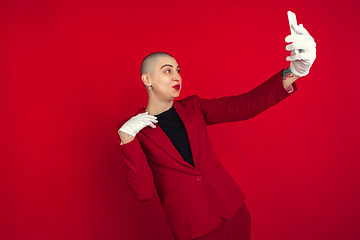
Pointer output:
x,y
178,70
167,71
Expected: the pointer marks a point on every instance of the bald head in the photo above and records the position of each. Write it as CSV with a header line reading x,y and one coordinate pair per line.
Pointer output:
x,y
149,62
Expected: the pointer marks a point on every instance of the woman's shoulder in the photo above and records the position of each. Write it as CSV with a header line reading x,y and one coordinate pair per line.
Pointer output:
x,y
190,100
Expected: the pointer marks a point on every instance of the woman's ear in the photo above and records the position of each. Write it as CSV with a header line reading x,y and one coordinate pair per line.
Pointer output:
x,y
145,78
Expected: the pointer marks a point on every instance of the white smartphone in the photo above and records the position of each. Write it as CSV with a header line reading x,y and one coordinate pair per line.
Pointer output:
x,y
292,20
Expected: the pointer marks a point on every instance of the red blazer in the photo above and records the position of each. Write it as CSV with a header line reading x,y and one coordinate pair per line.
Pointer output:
x,y
195,199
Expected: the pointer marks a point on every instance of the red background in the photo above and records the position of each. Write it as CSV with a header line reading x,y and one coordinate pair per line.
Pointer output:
x,y
69,73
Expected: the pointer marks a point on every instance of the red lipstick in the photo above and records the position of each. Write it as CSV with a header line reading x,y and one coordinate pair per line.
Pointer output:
x,y
177,86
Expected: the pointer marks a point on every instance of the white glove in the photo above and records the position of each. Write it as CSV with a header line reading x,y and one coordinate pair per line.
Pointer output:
x,y
303,51
138,122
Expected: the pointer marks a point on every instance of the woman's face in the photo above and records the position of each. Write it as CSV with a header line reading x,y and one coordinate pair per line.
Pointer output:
x,y
166,79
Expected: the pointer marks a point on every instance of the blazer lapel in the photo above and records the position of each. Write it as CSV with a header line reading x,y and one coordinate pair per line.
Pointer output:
x,y
162,140
188,118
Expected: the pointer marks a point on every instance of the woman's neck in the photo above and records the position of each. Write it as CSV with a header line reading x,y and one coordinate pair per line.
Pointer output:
x,y
155,108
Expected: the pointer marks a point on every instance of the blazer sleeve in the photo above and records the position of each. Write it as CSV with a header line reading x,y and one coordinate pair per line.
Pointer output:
x,y
245,105
138,174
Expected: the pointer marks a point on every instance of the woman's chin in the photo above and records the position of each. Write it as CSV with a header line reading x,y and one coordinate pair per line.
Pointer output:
x,y
176,95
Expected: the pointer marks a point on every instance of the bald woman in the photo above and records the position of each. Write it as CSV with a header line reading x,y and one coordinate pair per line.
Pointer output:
x,y
167,150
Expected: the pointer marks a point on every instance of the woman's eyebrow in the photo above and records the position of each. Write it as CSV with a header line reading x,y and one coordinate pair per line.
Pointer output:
x,y
166,65
169,65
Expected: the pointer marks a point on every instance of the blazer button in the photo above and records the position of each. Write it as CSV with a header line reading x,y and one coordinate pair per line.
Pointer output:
x,y
199,178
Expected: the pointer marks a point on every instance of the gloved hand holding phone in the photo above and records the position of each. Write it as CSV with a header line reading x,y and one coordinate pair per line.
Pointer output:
x,y
302,47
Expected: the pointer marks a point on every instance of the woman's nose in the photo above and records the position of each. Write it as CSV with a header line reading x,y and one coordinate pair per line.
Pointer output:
x,y
177,78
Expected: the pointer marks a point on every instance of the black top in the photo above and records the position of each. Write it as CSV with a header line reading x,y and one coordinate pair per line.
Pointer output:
x,y
170,122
